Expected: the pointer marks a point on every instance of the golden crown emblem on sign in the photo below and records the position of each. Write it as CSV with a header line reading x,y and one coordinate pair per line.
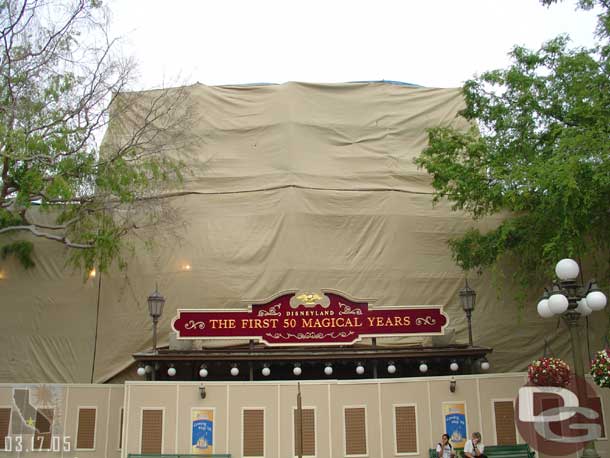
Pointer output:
x,y
309,299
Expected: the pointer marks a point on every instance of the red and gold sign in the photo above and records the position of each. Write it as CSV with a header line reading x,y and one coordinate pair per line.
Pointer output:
x,y
327,318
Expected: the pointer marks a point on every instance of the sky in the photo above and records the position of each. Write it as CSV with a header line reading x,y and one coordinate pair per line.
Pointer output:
x,y
435,43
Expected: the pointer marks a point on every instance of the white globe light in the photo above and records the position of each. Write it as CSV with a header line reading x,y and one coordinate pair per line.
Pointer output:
x,y
391,369
558,303
141,371
567,269
203,372
359,369
298,371
454,367
423,368
148,369
171,371
583,307
543,309
596,300
266,371
234,371
328,370
485,365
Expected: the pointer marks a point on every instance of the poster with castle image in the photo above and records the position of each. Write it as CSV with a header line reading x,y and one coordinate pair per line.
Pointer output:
x,y
202,437
454,417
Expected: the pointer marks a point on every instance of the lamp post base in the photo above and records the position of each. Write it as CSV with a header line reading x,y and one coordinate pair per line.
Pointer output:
x,y
572,319
589,451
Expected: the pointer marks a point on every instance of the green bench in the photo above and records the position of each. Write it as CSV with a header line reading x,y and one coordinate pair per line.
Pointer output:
x,y
500,451
457,451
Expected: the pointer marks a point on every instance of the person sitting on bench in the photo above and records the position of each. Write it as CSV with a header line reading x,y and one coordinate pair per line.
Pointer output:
x,y
444,448
474,447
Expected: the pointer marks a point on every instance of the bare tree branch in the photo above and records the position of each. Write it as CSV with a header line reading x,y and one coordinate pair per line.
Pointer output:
x,y
58,238
58,87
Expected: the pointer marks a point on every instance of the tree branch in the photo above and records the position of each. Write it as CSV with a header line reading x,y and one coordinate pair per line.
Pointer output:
x,y
56,238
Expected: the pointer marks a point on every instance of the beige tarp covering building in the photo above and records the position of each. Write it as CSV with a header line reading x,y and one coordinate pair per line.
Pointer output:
x,y
293,186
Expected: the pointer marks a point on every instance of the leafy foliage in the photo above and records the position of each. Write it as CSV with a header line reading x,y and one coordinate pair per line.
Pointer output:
x,y
22,250
538,150
60,77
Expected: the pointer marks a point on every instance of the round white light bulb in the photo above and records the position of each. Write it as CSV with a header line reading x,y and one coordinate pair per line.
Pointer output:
x,y
359,369
454,367
234,371
171,371
203,372
148,369
596,300
266,371
423,368
567,269
558,303
328,370
485,365
298,371
141,371
543,309
583,307
391,369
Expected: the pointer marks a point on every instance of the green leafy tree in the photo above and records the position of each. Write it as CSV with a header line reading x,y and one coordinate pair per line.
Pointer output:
x,y
60,78
538,151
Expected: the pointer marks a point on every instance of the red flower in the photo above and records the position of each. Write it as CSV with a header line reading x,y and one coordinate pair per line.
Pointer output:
x,y
549,372
600,369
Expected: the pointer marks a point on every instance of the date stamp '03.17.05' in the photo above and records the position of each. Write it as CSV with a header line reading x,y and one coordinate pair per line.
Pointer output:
x,y
37,419
36,443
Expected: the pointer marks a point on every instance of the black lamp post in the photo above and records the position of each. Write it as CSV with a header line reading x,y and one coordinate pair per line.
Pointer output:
x,y
468,298
570,300
155,309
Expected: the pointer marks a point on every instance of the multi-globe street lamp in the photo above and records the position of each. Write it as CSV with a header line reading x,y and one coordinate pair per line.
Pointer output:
x,y
571,300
